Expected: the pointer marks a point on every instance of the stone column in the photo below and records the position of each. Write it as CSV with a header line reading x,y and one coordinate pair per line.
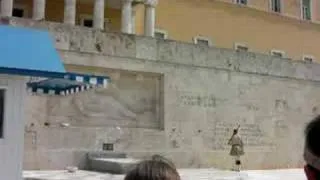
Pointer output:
x,y
98,14
150,17
70,12
133,22
6,8
126,16
39,9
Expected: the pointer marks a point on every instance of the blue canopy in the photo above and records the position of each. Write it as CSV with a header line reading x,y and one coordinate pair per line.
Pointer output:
x,y
29,52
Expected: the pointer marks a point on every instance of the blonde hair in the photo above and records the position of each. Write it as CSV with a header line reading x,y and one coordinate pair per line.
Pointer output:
x,y
158,168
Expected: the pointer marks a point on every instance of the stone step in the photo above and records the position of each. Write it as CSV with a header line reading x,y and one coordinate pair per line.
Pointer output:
x,y
112,165
103,154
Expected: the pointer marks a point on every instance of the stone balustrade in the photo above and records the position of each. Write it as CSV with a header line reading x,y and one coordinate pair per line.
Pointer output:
x,y
85,40
127,21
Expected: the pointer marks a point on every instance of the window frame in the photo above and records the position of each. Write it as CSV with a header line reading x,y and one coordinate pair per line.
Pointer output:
x,y
271,7
202,38
237,45
164,32
236,2
308,56
23,7
273,51
302,12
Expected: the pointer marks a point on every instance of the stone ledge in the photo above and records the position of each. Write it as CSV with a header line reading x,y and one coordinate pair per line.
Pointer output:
x,y
103,154
112,165
86,40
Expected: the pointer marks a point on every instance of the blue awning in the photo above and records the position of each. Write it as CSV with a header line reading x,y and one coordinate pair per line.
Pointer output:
x,y
71,83
29,52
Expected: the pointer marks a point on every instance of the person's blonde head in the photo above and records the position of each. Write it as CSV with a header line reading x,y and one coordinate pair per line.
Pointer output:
x,y
155,169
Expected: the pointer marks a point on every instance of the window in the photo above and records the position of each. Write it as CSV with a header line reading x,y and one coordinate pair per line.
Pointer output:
x,y
2,108
244,2
308,58
19,10
87,21
306,9
277,53
276,5
241,47
160,34
202,41
16,12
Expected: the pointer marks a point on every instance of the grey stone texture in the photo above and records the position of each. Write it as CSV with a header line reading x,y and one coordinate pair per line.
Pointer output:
x,y
171,98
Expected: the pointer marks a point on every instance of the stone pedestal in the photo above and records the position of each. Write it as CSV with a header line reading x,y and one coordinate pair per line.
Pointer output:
x,y
115,163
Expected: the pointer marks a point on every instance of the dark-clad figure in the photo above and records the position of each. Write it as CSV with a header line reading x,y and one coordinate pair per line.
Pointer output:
x,y
312,149
236,149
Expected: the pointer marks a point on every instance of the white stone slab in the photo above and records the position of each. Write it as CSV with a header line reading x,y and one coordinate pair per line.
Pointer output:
x,y
186,174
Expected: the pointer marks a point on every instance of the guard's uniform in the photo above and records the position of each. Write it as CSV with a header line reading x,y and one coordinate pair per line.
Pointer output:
x,y
236,150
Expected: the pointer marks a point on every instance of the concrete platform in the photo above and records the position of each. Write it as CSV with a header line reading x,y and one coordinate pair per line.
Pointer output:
x,y
186,174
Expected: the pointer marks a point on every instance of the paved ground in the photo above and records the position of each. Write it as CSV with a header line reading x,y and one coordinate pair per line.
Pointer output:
x,y
186,174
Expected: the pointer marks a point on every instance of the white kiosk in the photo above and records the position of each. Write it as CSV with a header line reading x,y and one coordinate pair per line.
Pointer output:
x,y
26,53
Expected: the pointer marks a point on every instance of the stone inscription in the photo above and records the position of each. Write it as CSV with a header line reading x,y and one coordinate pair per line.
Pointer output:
x,y
281,105
281,128
251,134
193,99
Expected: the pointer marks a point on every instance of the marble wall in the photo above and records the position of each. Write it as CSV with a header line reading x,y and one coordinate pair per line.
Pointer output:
x,y
176,99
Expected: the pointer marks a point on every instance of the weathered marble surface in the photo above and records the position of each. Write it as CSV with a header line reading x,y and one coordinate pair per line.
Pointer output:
x,y
184,105
129,101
